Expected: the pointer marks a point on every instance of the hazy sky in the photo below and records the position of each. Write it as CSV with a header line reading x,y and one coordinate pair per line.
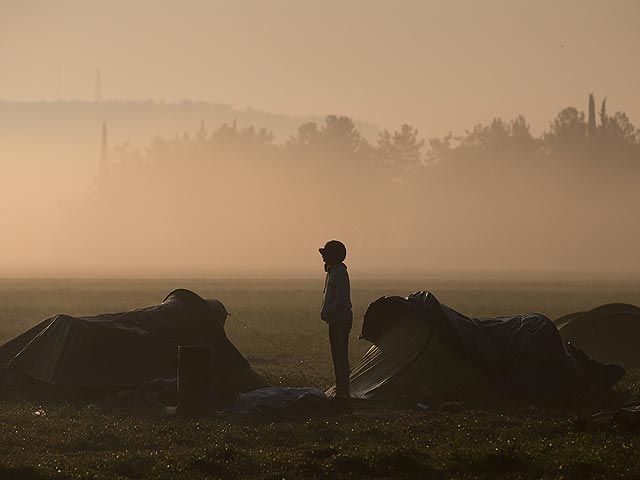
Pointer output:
x,y
440,65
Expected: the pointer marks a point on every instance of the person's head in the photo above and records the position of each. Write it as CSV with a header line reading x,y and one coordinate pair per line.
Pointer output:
x,y
333,252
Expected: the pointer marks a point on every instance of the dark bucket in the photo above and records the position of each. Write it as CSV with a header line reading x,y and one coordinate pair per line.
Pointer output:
x,y
194,373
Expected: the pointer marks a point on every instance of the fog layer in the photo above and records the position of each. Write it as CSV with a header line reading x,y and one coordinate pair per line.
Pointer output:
x,y
535,176
234,199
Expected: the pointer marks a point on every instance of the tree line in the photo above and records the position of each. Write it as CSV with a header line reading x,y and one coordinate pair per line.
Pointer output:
x,y
596,139
509,190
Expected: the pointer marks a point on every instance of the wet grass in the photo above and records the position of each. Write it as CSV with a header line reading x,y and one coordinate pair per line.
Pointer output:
x,y
475,443
454,440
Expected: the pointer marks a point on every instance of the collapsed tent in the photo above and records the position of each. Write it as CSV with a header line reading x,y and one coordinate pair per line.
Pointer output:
x,y
67,355
422,347
608,333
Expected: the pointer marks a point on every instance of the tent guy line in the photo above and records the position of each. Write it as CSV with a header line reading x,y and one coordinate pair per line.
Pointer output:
x,y
269,341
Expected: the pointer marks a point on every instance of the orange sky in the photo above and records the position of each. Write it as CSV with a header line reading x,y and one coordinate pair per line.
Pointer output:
x,y
440,65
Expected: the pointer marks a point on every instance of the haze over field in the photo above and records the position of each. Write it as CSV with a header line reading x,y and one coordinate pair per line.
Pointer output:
x,y
308,121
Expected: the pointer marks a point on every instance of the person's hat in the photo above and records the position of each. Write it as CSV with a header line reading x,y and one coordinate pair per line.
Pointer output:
x,y
334,249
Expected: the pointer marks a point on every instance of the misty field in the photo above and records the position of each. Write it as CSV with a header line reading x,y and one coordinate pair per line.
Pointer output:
x,y
287,343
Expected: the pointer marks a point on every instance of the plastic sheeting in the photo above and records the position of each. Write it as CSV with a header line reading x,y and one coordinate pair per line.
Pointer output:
x,y
421,346
275,399
124,350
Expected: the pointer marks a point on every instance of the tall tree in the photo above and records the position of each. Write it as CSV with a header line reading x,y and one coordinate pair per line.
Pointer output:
x,y
403,148
104,155
567,132
591,123
341,136
604,118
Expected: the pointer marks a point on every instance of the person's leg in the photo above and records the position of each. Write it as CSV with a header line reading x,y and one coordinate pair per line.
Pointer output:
x,y
339,339
344,357
334,340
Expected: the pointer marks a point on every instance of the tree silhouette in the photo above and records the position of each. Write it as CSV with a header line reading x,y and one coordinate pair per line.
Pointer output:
x,y
567,133
591,122
493,175
604,118
402,148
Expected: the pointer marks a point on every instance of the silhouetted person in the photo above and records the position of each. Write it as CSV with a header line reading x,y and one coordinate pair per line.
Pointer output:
x,y
336,311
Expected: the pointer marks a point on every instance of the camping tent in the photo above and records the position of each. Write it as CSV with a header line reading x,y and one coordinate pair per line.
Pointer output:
x,y
422,346
110,352
608,333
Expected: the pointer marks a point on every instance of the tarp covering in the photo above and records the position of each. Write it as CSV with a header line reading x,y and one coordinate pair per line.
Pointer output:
x,y
421,345
276,399
608,333
124,350
626,416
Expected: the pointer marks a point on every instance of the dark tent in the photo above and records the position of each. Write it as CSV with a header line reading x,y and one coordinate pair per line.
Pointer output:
x,y
608,333
67,355
421,346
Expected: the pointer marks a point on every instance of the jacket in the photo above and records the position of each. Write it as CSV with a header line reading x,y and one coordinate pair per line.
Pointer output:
x,y
337,295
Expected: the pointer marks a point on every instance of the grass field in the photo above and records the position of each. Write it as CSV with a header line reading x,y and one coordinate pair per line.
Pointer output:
x,y
454,441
